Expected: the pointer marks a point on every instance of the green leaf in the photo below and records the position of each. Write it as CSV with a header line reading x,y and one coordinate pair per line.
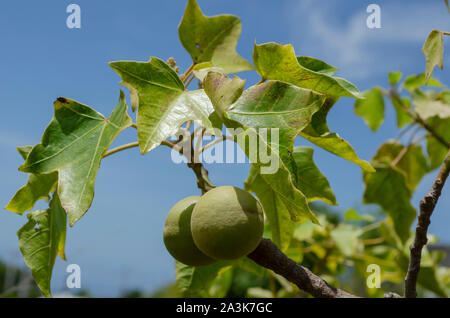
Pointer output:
x,y
318,133
435,149
212,39
391,187
316,65
353,215
275,209
73,145
433,49
38,187
402,117
346,238
371,109
285,108
414,81
394,77
412,164
310,180
41,239
277,105
162,102
278,62
193,281
428,279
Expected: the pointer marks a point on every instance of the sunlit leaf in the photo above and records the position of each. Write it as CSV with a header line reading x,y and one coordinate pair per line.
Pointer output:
x,y
433,49
73,145
212,39
346,238
394,77
318,133
278,62
371,109
163,103
414,81
41,239
403,117
430,104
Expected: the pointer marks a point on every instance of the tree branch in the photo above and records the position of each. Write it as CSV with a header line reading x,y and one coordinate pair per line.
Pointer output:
x,y
427,205
268,255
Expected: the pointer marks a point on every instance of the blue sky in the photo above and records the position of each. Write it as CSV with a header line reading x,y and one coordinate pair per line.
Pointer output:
x,y
118,244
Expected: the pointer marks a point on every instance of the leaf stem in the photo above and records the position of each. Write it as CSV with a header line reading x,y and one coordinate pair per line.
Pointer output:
x,y
120,148
188,72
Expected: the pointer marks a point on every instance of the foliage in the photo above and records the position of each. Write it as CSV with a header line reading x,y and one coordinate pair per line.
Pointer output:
x,y
294,97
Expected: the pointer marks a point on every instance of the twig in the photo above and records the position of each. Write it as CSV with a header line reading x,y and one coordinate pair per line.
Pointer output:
x,y
427,206
416,118
215,142
188,72
268,255
190,80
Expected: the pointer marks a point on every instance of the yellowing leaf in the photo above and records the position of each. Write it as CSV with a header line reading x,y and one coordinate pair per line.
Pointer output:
x,y
278,62
433,49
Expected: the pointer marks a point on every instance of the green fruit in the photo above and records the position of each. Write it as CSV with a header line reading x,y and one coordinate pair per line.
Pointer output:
x,y
227,223
178,237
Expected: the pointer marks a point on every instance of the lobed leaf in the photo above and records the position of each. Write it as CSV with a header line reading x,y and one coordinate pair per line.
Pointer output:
x,y
162,103
212,39
73,145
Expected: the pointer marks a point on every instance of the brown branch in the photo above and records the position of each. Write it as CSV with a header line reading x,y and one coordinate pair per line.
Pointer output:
x,y
427,205
268,255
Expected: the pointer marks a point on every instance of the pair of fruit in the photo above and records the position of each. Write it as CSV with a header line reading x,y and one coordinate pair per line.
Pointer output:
x,y
224,224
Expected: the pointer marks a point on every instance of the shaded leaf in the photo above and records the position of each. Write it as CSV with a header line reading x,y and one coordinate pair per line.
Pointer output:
x,y
387,187
163,103
38,187
41,239
212,39
371,109
316,65
402,116
73,145
278,62
192,281
412,164
435,149
310,180
433,49
276,211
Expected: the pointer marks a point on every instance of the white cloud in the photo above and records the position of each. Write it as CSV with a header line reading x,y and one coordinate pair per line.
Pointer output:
x,y
320,29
